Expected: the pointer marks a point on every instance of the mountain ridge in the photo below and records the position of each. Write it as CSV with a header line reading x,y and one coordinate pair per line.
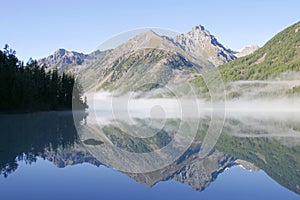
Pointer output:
x,y
149,58
65,60
119,68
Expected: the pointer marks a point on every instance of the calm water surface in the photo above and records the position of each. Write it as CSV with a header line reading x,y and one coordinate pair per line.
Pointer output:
x,y
42,156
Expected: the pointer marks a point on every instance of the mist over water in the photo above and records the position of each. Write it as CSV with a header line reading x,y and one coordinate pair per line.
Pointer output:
x,y
172,107
145,118
273,118
264,105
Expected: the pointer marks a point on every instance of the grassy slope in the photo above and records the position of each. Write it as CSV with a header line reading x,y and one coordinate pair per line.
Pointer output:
x,y
280,54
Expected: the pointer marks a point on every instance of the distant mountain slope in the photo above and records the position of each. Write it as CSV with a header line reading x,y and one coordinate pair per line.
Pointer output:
x,y
280,54
246,51
73,61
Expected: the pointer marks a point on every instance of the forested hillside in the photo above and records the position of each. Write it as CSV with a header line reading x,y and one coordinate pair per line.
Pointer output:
x,y
280,54
28,88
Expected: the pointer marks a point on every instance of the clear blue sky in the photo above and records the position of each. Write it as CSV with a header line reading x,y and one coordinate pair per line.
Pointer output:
x,y
36,28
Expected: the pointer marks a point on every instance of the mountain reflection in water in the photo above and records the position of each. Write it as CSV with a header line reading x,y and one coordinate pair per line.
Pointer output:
x,y
270,142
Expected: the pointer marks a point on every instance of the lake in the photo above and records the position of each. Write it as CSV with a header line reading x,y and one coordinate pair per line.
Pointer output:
x,y
50,156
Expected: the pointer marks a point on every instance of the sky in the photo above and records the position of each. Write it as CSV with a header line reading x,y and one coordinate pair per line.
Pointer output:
x,y
36,28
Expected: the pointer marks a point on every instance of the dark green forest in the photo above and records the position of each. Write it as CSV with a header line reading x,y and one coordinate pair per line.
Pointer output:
x,y
30,87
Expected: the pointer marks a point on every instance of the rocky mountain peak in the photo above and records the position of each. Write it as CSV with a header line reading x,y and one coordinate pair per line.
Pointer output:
x,y
199,31
199,27
146,39
60,52
63,57
150,32
199,42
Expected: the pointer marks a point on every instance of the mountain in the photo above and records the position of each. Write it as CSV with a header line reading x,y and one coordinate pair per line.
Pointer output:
x,y
246,51
73,61
200,43
278,55
145,62
149,61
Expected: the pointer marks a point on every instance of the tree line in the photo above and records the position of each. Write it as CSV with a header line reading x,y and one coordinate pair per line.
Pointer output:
x,y
30,87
